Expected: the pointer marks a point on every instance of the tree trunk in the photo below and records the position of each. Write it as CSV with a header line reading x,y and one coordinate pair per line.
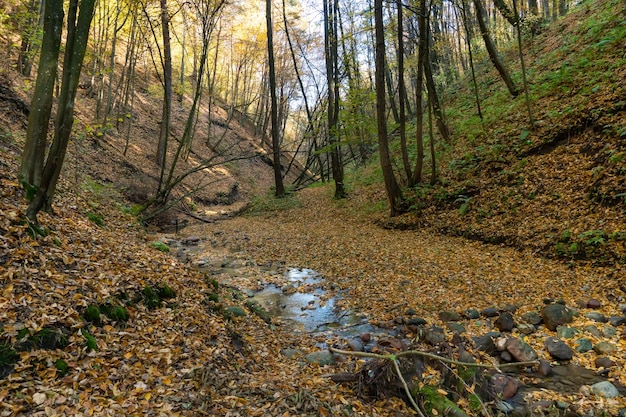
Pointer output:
x,y
167,93
75,47
41,105
402,97
394,193
332,76
419,90
492,50
278,176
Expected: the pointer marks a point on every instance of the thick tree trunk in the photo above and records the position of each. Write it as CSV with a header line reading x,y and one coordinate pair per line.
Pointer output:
x,y
76,45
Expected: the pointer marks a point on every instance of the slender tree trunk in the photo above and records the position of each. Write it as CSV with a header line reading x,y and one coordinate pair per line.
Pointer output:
x,y
167,94
330,42
394,193
419,90
531,119
41,106
278,176
402,96
492,50
464,7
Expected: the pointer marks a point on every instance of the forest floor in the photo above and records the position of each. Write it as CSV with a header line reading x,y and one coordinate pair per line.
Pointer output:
x,y
186,356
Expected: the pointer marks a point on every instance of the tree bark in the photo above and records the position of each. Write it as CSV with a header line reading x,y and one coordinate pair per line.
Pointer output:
x,y
41,104
492,50
394,193
75,47
278,176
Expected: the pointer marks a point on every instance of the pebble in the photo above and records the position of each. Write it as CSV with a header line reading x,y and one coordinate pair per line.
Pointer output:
x,y
605,389
490,312
416,321
583,345
597,317
604,362
322,357
505,322
555,315
593,303
448,315
566,332
532,317
355,345
558,349
544,369
365,337
617,321
526,328
472,314
603,348
521,350
593,330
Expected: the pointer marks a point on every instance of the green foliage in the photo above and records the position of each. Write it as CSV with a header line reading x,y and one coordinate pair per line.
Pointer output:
x,y
150,298
8,356
165,292
90,341
92,314
214,283
114,312
61,366
160,246
212,297
270,203
96,218
47,338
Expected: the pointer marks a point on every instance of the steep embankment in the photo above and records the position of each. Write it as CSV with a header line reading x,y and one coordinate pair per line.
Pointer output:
x,y
560,188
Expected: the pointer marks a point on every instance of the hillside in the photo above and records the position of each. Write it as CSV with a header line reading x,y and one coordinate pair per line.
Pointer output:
x,y
558,189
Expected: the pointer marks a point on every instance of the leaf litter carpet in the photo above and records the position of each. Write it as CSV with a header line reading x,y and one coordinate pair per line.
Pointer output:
x,y
183,358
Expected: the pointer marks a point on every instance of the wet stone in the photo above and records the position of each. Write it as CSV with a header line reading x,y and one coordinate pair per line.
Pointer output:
x,y
617,321
558,349
532,317
410,312
504,386
544,369
609,332
604,348
506,356
355,345
583,345
597,317
365,337
567,332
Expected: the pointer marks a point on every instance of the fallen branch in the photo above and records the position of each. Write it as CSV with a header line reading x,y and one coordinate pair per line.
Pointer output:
x,y
431,356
